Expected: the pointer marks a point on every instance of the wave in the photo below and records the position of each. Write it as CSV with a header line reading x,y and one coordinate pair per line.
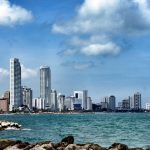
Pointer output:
x,y
12,128
26,129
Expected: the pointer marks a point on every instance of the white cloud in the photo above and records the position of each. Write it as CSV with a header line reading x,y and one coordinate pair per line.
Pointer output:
x,y
98,24
93,46
11,14
28,73
111,16
3,73
101,49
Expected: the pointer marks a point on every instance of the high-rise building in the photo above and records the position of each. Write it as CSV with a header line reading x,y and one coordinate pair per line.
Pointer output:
x,y
61,102
15,84
89,103
82,95
45,86
112,103
135,102
27,97
54,100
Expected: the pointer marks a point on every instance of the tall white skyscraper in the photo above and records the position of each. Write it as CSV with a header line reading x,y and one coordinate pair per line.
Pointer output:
x,y
45,86
15,84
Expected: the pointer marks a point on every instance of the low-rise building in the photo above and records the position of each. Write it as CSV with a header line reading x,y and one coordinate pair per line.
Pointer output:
x,y
147,106
38,103
4,107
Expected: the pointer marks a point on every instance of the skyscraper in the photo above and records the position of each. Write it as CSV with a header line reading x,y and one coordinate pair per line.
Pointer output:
x,y
135,102
15,84
112,103
45,86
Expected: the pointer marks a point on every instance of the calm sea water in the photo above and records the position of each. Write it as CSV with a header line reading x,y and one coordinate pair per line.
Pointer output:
x,y
132,129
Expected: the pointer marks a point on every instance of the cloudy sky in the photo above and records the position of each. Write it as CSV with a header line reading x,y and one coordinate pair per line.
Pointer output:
x,y
99,45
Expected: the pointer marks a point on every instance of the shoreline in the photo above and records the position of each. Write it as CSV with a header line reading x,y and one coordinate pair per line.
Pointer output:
x,y
60,113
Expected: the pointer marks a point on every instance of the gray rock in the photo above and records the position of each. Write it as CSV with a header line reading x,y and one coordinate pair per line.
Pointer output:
x,y
118,146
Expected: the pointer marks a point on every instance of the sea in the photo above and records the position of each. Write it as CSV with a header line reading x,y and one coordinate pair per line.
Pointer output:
x,y
104,129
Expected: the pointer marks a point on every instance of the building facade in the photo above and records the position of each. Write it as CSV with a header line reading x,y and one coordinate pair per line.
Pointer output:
x,y
4,107
38,103
82,95
126,104
135,102
89,103
45,85
54,106
27,97
112,103
61,102
15,84
147,106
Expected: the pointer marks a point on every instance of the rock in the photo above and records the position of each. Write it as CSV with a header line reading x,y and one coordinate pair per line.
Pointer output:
x,y
118,146
9,125
84,147
68,139
65,144
96,147
5,143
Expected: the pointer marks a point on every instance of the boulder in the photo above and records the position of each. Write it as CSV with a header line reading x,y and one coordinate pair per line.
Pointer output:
x,y
5,143
9,125
118,146
68,140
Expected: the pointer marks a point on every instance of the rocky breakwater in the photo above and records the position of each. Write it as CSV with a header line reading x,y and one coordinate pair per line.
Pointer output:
x,y
9,125
66,144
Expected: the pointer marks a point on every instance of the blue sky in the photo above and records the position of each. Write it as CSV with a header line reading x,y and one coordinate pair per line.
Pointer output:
x,y
99,45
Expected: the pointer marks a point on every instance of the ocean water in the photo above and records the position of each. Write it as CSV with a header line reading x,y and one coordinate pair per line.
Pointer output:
x,y
104,129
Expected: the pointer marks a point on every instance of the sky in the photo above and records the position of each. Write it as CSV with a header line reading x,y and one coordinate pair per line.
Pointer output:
x,y
99,45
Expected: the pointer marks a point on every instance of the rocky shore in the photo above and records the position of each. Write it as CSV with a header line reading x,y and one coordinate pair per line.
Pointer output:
x,y
4,125
65,144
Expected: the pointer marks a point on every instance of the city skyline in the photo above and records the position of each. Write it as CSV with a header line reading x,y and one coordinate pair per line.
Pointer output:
x,y
105,60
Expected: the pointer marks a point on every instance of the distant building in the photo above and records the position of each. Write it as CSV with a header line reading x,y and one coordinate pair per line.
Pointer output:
x,y
69,101
15,84
82,95
104,103
27,97
54,106
119,105
135,102
89,103
45,86
4,107
126,104
61,102
38,103
112,103
7,96
147,106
